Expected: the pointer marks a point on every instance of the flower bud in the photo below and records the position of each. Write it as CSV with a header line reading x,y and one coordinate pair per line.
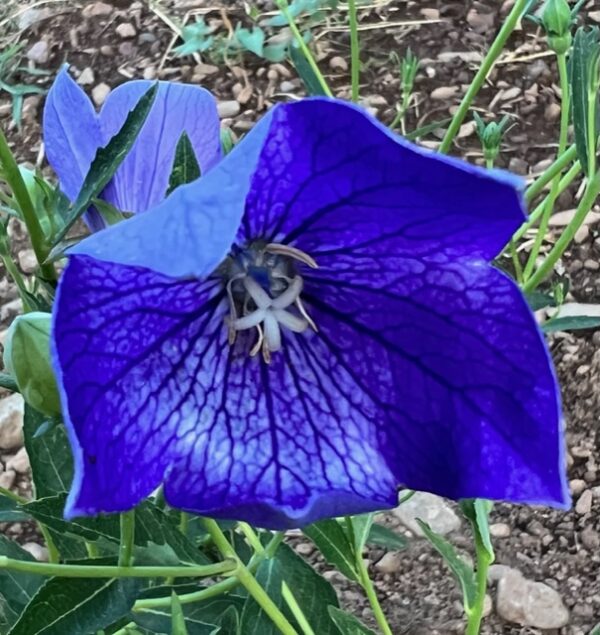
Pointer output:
x,y
490,136
27,358
557,20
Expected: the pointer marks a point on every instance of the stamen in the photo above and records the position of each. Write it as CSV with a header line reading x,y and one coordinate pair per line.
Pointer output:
x,y
259,342
252,319
291,252
290,321
257,293
304,313
272,332
289,295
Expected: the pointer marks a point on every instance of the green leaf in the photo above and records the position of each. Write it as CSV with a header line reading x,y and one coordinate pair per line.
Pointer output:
x,y
312,592
185,164
108,159
463,572
361,528
383,537
8,381
230,622
77,606
153,528
178,626
538,300
477,511
348,624
423,131
10,510
110,214
252,40
305,72
584,83
16,589
201,618
49,455
254,619
333,543
571,323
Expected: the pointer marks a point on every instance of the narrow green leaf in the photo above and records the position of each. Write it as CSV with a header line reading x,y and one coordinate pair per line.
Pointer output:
x,y
230,622
108,159
348,624
49,455
178,626
305,72
109,213
361,526
463,572
332,542
185,164
572,323
76,606
477,511
423,131
16,589
583,60
539,300
10,511
254,619
383,537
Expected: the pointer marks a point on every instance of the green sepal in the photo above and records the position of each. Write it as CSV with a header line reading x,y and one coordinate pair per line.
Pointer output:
x,y
27,359
185,164
556,19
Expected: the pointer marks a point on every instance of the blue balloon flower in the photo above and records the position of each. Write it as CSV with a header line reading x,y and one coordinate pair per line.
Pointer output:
x,y
311,324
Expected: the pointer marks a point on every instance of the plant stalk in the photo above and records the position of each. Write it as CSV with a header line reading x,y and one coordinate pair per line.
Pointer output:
x,y
354,49
127,522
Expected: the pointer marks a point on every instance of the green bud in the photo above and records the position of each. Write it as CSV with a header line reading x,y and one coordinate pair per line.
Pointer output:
x,y
490,135
557,20
408,70
27,359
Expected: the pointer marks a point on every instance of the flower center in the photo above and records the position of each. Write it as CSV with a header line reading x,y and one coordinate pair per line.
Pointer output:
x,y
263,288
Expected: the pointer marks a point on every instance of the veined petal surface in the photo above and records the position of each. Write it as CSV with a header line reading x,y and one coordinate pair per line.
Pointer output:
x,y
153,391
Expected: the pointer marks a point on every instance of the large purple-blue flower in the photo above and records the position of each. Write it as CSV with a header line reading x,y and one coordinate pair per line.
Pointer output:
x,y
198,345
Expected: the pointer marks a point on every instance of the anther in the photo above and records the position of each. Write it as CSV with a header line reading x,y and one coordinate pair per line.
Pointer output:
x,y
291,252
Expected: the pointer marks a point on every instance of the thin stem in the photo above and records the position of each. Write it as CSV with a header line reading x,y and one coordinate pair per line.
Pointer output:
x,y
562,146
486,66
585,205
248,580
285,10
297,612
566,180
354,49
101,571
18,499
551,171
475,613
367,584
512,247
215,589
53,552
19,189
183,522
251,537
127,522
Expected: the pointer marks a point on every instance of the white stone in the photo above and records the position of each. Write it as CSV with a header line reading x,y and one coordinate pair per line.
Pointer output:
x,y
27,261
391,562
86,78
11,422
584,502
529,603
7,479
19,462
39,52
125,30
97,10
429,508
228,109
500,530
37,551
100,93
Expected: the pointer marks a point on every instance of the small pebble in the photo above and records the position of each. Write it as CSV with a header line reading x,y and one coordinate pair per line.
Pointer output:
x,y
27,261
582,234
444,92
39,52
500,530
97,10
125,30
37,551
7,479
584,503
338,63
390,563
86,78
228,109
577,486
100,93
591,265
19,462
11,422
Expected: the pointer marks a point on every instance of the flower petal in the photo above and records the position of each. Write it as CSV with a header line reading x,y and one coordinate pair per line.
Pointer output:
x,y
152,390
143,178
71,132
192,230
466,398
328,169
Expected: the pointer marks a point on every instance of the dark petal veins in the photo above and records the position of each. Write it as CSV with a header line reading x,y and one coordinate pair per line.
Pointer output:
x,y
468,403
330,178
153,391
142,179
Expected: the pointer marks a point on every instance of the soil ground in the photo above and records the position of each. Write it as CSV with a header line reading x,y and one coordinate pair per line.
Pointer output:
x,y
557,548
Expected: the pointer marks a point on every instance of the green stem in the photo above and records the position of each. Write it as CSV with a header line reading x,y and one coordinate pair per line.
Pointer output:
x,y
475,613
562,146
251,537
215,589
551,171
127,522
101,571
285,10
53,552
354,49
486,66
248,580
566,180
13,496
297,612
367,583
585,205
19,190
183,522
92,549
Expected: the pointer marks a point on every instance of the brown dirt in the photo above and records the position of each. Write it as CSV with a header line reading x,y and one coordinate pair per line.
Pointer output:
x,y
560,549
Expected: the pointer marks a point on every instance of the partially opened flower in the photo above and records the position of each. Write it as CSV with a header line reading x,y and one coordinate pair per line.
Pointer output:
x,y
73,132
311,324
